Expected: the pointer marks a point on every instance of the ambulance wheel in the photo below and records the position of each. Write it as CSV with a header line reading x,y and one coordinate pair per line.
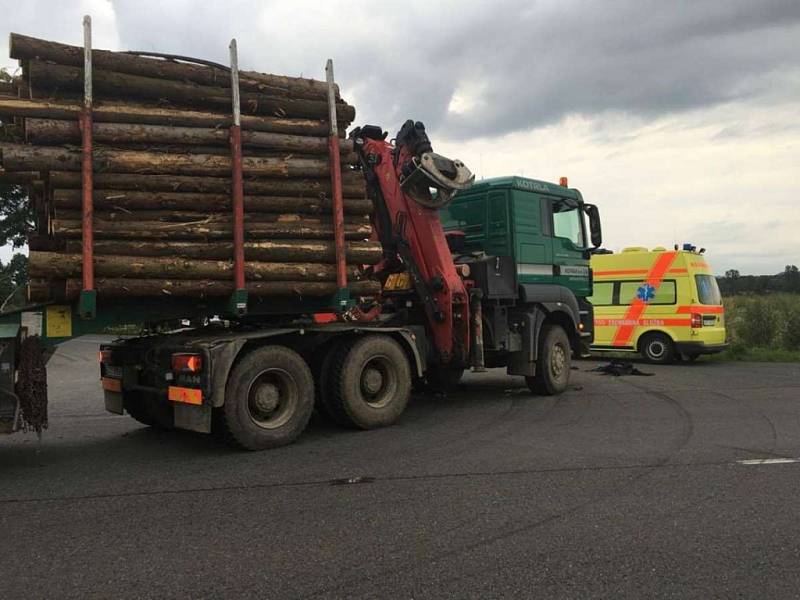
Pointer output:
x,y
553,364
269,399
369,383
657,348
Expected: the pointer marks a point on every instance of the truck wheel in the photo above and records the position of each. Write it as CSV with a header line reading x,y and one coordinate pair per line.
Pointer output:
x,y
369,383
268,399
149,411
553,363
657,348
322,378
443,378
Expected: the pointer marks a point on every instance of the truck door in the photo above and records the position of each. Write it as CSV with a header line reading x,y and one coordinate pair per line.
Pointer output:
x,y
569,246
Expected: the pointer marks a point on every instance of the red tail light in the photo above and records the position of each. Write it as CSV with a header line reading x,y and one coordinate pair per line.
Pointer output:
x,y
188,363
104,356
697,320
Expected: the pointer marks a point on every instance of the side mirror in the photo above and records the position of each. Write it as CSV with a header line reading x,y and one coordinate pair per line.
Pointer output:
x,y
594,224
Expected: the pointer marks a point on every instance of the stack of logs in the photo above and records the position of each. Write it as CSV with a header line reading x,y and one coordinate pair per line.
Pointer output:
x,y
162,177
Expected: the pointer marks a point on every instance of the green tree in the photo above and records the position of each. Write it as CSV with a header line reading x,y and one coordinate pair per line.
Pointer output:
x,y
732,280
13,276
16,216
791,278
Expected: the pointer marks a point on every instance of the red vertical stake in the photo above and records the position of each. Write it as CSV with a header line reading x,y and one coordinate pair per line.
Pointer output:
x,y
336,187
237,186
85,123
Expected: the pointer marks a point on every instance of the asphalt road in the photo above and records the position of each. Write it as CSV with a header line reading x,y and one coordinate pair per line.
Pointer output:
x,y
626,487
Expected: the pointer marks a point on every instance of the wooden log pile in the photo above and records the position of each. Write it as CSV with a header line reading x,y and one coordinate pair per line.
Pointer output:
x,y
161,163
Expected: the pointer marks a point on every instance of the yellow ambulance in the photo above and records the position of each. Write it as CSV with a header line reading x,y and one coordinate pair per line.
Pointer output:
x,y
663,304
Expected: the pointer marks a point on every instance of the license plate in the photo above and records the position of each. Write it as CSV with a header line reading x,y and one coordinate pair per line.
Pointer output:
x,y
112,371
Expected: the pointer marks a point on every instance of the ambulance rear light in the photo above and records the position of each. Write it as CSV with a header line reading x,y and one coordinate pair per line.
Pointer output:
x,y
697,320
187,363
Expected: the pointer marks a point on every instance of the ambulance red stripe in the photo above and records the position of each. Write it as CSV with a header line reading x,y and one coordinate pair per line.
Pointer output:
x,y
633,272
654,277
699,308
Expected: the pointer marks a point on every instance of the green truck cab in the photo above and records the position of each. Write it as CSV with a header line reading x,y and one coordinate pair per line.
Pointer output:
x,y
536,239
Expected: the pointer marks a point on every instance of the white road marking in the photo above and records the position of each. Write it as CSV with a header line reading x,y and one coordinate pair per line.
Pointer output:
x,y
768,461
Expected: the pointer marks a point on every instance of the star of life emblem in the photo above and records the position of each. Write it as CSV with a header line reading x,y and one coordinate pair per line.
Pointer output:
x,y
646,292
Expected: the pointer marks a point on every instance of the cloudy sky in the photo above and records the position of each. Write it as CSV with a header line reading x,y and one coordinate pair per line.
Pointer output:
x,y
681,120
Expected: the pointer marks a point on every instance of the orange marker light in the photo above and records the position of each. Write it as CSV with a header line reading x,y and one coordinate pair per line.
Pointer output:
x,y
192,363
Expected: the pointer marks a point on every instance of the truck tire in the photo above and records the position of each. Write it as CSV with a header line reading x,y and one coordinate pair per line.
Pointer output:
x,y
657,348
553,362
148,411
322,371
369,382
268,399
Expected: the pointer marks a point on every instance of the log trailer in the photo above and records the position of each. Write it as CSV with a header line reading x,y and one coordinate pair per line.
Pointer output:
x,y
474,275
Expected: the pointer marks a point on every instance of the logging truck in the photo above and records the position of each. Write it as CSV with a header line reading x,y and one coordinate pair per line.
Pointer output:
x,y
473,275
397,268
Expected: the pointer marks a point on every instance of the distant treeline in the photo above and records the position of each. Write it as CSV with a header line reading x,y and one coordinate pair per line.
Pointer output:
x,y
735,283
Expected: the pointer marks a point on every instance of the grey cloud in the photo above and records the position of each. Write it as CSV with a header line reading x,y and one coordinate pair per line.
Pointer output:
x,y
535,62
530,63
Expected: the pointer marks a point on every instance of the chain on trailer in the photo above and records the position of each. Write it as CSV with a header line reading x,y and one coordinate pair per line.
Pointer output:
x,y
31,385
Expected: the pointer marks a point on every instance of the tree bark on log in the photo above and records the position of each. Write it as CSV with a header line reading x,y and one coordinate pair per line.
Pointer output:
x,y
119,112
44,290
362,253
50,76
121,199
191,216
58,265
188,231
188,288
347,158
54,132
19,177
20,157
353,184
23,47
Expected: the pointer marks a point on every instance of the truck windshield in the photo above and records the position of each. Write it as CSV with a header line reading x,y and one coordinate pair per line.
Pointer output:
x,y
707,290
567,224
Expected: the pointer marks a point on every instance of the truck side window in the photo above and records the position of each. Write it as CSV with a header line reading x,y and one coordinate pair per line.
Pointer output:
x,y
567,224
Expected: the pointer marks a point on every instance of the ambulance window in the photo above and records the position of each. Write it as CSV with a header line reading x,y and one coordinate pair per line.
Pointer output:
x,y
707,290
603,294
663,294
